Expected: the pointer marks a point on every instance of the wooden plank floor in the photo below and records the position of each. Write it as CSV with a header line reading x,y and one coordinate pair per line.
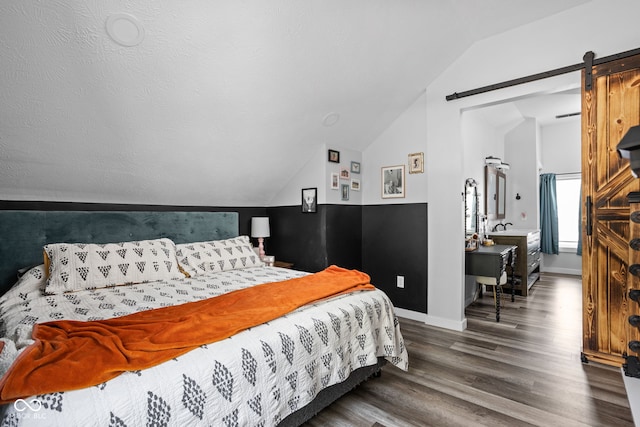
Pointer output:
x,y
523,371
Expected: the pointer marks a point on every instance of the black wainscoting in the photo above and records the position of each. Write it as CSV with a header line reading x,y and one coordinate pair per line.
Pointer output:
x,y
344,236
313,241
394,243
245,213
298,237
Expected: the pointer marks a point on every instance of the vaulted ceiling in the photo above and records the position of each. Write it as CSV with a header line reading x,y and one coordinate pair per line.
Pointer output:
x,y
214,102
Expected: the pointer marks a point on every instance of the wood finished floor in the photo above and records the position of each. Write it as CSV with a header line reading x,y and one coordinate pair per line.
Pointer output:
x,y
523,371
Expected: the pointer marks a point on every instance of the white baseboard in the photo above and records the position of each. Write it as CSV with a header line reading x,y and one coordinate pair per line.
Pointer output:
x,y
410,314
560,270
447,323
431,320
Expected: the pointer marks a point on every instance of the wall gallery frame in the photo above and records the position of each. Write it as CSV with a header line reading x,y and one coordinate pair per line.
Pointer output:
x,y
344,173
393,183
355,184
309,200
334,181
345,192
416,163
334,156
355,167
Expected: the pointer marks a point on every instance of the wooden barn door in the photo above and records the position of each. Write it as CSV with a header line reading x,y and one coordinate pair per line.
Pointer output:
x,y
609,109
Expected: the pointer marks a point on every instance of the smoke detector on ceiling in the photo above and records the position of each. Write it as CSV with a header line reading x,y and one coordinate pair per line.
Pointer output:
x,y
331,119
125,29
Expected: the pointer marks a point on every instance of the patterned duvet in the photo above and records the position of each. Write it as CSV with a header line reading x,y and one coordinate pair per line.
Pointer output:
x,y
255,378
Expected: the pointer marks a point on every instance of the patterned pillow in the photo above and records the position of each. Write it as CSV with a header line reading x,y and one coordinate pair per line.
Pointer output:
x,y
77,266
217,255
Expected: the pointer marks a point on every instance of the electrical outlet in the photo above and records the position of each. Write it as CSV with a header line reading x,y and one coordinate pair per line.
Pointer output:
x,y
400,281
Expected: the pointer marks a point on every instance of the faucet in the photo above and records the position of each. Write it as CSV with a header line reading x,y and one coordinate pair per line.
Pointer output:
x,y
504,226
495,227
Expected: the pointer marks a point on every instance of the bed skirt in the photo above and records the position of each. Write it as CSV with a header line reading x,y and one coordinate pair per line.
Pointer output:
x,y
331,394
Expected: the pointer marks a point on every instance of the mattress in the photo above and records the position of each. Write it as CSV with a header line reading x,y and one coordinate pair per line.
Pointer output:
x,y
257,377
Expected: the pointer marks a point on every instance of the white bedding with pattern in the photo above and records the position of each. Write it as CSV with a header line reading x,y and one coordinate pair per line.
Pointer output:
x,y
255,378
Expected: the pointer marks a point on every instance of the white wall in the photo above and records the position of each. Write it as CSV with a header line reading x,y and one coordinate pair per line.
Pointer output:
x,y
521,146
544,45
407,134
317,173
311,174
561,147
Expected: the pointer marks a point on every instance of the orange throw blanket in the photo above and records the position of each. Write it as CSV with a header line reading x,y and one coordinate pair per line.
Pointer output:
x,y
69,355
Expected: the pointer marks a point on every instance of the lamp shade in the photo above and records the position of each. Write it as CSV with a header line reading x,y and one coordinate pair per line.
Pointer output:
x,y
260,226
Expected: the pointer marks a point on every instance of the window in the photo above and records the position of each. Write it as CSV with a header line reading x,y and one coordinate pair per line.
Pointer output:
x,y
568,193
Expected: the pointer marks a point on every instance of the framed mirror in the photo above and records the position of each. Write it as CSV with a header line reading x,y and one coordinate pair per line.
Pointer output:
x,y
502,199
490,192
495,183
471,205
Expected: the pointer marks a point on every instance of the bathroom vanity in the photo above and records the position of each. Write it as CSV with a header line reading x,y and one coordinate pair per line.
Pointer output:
x,y
527,268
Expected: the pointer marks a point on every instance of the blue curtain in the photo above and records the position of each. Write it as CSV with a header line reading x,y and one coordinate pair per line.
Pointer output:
x,y
548,214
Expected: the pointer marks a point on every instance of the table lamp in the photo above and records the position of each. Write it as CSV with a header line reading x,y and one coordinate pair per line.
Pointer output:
x,y
260,229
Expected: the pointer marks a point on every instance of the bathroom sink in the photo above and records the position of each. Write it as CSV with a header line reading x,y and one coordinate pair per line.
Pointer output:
x,y
512,232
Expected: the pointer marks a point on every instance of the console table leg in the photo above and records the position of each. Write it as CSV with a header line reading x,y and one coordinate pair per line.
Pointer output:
x,y
498,298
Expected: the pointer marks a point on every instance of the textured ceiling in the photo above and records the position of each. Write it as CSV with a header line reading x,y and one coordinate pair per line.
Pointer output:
x,y
222,101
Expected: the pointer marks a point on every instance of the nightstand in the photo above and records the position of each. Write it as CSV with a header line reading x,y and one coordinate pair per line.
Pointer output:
x,y
283,264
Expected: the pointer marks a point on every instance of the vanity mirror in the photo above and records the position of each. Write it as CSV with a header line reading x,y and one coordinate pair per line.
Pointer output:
x,y
495,183
471,204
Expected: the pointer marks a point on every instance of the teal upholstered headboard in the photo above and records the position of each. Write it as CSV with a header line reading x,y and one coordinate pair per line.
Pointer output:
x,y
24,233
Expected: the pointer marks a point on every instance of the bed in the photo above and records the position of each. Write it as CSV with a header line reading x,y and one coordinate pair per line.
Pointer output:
x,y
276,373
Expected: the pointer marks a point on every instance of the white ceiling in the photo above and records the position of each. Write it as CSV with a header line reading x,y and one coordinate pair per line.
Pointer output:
x,y
219,96
548,109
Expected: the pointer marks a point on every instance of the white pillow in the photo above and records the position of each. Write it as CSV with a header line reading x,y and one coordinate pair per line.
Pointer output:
x,y
78,266
31,279
217,255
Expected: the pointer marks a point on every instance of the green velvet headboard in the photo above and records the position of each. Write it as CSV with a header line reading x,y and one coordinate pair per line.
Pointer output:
x,y
24,233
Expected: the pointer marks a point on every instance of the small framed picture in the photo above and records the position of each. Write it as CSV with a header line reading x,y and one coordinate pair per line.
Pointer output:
x,y
309,200
344,173
355,184
416,163
393,185
345,192
334,156
355,167
334,181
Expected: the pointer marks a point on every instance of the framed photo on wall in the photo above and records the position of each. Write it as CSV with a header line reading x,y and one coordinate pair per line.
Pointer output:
x,y
355,167
345,192
309,200
334,181
344,173
393,183
416,163
355,184
334,156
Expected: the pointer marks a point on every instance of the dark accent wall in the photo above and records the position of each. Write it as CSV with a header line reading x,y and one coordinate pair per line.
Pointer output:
x,y
394,243
344,235
382,240
313,241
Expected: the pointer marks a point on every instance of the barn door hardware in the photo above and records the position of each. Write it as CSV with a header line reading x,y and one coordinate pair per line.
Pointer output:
x,y
587,65
588,70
